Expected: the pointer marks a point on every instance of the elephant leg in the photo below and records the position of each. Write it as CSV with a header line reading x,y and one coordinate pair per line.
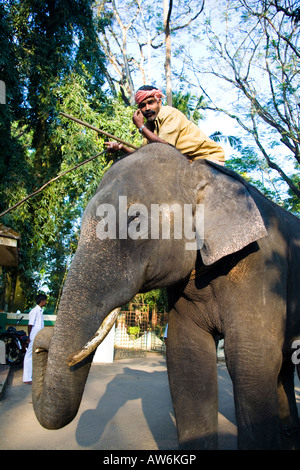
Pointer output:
x,y
192,371
288,412
255,391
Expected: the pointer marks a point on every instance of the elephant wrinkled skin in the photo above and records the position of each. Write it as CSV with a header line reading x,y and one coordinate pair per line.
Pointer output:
x,y
241,283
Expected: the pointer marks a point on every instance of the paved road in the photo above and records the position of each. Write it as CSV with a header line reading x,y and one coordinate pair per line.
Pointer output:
x,y
126,406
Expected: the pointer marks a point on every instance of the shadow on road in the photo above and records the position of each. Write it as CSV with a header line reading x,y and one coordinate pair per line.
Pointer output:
x,y
150,388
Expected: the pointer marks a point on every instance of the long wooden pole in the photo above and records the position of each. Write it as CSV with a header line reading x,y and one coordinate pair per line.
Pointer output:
x,y
51,181
110,136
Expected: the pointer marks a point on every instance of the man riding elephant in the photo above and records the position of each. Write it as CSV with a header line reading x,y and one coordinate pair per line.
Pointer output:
x,y
168,125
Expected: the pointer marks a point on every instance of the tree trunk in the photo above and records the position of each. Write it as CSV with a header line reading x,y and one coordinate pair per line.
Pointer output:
x,y
167,17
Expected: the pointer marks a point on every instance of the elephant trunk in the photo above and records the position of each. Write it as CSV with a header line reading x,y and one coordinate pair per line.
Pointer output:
x,y
57,388
61,362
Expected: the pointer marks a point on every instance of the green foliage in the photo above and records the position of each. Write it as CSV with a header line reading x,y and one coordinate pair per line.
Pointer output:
x,y
292,202
188,104
51,62
256,171
55,50
246,161
116,119
156,299
134,331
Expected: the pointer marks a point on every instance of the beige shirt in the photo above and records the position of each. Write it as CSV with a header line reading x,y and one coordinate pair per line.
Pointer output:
x,y
173,126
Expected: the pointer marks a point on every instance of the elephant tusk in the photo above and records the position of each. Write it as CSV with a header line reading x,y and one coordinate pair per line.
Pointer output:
x,y
39,350
97,339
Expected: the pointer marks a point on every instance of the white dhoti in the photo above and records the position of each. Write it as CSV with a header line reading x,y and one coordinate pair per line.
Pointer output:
x,y
37,323
27,364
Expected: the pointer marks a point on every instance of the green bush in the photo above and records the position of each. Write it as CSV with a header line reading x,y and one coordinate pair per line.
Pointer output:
x,y
134,331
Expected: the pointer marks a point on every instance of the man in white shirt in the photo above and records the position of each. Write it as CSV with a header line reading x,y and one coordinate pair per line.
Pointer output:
x,y
35,324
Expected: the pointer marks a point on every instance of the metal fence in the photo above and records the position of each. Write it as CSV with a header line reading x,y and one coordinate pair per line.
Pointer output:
x,y
138,329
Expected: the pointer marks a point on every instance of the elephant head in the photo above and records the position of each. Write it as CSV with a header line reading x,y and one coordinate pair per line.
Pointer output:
x,y
121,253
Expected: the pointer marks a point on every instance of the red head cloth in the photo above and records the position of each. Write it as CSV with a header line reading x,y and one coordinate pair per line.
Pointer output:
x,y
142,95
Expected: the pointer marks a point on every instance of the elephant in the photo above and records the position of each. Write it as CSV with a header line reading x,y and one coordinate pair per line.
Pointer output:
x,y
231,271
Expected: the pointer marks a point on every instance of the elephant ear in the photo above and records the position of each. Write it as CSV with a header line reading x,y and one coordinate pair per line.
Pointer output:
x,y
231,217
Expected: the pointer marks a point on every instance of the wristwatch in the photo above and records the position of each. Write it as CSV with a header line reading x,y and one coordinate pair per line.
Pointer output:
x,y
141,128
